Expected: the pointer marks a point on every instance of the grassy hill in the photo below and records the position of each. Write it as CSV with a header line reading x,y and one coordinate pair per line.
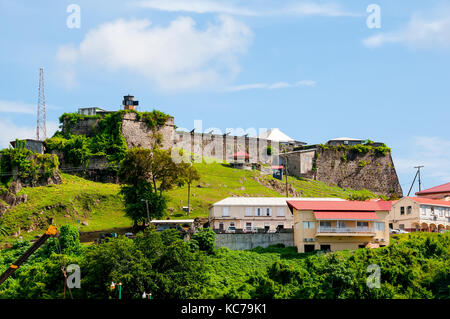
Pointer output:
x,y
101,205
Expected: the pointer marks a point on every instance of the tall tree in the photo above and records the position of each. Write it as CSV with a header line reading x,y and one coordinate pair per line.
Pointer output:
x,y
146,174
190,175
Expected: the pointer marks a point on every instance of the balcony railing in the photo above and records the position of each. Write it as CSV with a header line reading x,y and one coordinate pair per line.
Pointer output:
x,y
345,230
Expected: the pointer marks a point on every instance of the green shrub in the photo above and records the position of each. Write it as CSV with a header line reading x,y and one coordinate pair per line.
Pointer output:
x,y
26,165
382,150
204,239
363,163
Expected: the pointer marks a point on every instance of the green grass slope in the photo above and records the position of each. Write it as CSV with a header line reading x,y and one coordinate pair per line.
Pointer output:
x,y
101,205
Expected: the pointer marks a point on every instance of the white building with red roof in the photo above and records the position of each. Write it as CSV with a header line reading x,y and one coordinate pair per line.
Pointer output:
x,y
437,192
420,214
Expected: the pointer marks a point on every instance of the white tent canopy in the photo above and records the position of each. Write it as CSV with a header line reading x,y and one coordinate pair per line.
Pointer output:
x,y
275,135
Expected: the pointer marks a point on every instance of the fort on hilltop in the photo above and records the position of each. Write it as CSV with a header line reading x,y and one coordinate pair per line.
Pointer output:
x,y
354,164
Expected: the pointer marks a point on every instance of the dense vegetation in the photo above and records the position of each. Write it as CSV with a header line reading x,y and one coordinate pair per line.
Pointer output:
x,y
107,141
367,147
25,165
413,266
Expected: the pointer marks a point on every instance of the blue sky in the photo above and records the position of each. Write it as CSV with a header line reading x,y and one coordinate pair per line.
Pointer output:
x,y
311,68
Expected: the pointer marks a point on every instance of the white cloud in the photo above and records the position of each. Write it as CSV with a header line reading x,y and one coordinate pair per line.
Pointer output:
x,y
179,56
196,6
67,57
296,8
433,153
11,131
270,86
17,107
317,9
419,33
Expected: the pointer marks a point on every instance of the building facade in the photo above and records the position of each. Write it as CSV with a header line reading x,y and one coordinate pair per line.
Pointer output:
x,y
339,225
252,214
420,214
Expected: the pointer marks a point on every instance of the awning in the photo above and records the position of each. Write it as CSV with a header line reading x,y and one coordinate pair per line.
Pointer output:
x,y
333,215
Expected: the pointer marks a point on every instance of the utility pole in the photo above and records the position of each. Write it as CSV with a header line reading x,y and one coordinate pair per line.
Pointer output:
x,y
415,177
420,181
41,127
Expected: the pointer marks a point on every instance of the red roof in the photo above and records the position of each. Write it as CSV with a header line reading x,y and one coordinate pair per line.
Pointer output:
x,y
346,215
241,154
437,202
340,205
444,188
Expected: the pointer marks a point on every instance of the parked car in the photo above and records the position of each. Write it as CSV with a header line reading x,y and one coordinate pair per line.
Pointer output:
x,y
397,231
231,230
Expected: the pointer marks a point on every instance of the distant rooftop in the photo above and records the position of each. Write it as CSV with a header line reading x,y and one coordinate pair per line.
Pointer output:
x,y
444,188
277,135
435,202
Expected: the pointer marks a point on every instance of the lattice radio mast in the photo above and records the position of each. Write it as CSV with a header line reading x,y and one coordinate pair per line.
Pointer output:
x,y
41,127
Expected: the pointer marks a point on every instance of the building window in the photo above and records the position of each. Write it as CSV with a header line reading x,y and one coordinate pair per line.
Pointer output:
x,y
402,210
221,226
362,225
225,211
401,226
340,224
308,225
280,211
379,226
266,226
232,224
259,211
248,226
409,209
309,248
268,211
248,211
423,211
280,226
324,224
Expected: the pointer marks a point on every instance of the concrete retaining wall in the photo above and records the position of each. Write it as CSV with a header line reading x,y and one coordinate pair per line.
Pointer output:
x,y
249,241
